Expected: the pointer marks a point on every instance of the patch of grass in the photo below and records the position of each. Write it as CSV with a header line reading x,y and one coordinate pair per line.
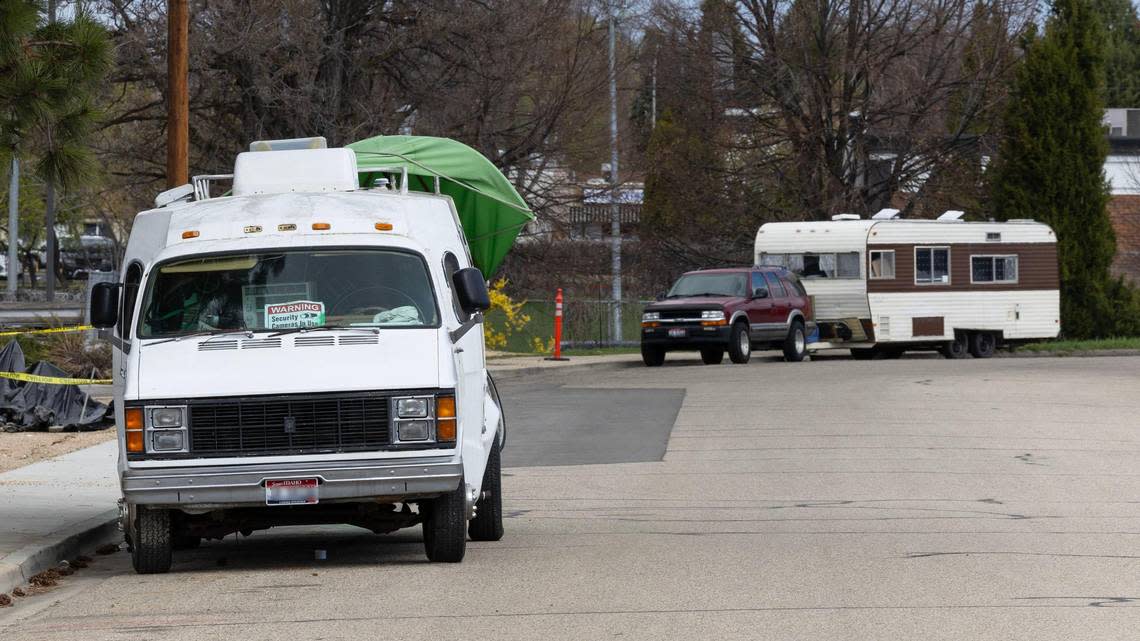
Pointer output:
x,y
1084,346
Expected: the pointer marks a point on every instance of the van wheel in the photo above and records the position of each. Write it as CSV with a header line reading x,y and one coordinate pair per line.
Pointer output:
x,y
957,348
982,344
652,356
795,345
862,353
152,542
445,527
712,355
488,522
739,344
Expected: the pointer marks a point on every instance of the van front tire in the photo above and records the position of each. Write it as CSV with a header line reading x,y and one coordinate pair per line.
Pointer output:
x,y
488,522
445,527
151,542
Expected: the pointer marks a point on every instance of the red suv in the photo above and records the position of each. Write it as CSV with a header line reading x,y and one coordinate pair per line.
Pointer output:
x,y
736,309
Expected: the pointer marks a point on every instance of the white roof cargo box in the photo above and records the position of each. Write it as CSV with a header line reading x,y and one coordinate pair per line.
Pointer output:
x,y
300,170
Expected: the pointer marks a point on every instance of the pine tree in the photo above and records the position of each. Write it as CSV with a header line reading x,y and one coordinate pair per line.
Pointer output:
x,y
1050,166
1122,52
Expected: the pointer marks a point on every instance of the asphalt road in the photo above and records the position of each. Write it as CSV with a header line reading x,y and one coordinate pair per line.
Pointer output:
x,y
909,499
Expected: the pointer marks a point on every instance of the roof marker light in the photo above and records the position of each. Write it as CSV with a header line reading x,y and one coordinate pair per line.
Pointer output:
x,y
252,229
383,226
186,235
321,226
287,227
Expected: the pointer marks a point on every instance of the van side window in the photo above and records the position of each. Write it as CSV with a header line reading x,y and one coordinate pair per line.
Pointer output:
x,y
775,289
450,266
130,295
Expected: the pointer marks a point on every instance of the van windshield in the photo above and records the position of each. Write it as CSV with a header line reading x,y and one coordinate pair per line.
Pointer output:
x,y
289,290
731,284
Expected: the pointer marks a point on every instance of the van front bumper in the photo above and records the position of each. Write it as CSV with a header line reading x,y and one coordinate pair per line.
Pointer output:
x,y
244,485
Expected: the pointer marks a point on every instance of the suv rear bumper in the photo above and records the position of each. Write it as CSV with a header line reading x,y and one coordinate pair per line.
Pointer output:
x,y
695,336
244,485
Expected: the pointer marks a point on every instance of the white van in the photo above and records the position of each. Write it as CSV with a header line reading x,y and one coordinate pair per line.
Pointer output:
x,y
885,285
301,351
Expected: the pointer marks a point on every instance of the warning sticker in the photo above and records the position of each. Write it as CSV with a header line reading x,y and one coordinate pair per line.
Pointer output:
x,y
298,313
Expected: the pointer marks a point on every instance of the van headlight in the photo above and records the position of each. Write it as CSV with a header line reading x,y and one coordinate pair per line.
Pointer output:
x,y
424,419
166,429
412,407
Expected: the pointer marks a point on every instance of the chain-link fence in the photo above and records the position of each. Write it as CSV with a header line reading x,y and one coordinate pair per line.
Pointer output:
x,y
585,324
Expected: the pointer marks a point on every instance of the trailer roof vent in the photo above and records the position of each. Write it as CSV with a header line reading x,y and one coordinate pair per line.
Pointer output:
x,y
952,215
314,142
886,214
845,217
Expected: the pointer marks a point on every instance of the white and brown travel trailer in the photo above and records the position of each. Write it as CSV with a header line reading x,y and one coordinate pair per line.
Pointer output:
x,y
885,285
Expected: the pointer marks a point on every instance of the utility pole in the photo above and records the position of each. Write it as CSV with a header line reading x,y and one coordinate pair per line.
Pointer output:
x,y
13,228
177,93
615,206
49,211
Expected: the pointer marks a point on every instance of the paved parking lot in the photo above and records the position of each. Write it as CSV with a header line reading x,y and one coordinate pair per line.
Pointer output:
x,y
909,499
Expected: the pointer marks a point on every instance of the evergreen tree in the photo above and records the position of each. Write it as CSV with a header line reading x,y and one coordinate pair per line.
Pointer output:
x,y
1050,166
1122,52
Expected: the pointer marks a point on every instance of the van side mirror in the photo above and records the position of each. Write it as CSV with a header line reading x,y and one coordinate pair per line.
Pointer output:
x,y
471,290
105,305
760,292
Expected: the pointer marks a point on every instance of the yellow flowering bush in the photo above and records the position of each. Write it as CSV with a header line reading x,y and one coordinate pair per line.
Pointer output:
x,y
504,318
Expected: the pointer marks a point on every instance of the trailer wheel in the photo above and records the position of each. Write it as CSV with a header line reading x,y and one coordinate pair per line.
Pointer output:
x,y
983,344
445,527
652,356
957,348
739,344
488,522
795,345
712,355
152,542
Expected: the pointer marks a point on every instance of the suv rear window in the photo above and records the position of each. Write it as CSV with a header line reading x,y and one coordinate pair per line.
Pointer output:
x,y
775,288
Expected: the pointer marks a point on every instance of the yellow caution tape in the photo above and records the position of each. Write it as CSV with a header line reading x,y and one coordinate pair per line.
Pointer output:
x,y
50,330
54,380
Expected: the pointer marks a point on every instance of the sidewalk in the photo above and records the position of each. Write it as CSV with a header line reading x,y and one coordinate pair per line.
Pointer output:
x,y
503,364
56,509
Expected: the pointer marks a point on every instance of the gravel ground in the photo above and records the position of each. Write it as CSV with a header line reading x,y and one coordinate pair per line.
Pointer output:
x,y
18,449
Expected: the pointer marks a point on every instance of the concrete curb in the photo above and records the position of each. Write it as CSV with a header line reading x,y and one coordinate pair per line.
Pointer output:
x,y
514,373
21,565
1076,353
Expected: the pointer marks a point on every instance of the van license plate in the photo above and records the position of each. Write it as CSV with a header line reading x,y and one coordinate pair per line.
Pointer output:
x,y
291,492
677,332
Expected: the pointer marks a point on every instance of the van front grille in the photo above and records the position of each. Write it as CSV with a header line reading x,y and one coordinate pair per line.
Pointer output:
x,y
300,424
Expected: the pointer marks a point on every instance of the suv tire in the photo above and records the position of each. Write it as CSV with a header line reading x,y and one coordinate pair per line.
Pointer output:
x,y
712,355
795,345
445,527
652,356
152,543
739,343
983,344
488,522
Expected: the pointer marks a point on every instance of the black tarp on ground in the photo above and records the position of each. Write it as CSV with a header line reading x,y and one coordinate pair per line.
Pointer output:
x,y
30,407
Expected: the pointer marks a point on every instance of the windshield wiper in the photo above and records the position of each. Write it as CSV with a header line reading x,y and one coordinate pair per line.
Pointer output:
x,y
303,330
212,333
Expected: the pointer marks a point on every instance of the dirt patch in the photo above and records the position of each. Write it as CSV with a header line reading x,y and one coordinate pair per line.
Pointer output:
x,y
18,449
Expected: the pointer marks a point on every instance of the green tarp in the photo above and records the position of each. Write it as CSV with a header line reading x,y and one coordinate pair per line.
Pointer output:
x,y
491,211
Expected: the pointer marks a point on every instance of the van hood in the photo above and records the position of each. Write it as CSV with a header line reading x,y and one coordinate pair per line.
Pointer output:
x,y
311,362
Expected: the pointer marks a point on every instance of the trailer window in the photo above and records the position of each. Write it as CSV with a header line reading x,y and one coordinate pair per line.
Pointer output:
x,y
270,291
932,265
993,269
814,265
881,265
